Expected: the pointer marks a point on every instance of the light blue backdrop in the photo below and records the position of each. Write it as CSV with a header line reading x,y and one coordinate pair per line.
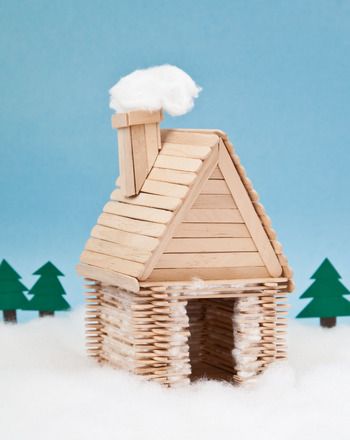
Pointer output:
x,y
275,76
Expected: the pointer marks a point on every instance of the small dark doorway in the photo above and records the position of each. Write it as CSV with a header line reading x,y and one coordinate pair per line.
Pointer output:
x,y
211,340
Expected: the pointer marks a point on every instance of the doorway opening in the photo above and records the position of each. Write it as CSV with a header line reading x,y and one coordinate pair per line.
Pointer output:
x,y
211,338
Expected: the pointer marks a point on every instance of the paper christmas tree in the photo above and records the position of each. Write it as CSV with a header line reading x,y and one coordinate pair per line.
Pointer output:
x,y
327,294
11,292
48,291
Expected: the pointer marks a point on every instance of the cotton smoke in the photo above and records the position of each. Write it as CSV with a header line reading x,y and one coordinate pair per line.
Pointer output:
x,y
161,87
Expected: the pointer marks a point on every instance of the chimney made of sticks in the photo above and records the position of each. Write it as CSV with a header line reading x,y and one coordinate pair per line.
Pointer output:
x,y
139,143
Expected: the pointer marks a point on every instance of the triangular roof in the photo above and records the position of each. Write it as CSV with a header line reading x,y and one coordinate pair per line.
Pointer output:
x,y
132,233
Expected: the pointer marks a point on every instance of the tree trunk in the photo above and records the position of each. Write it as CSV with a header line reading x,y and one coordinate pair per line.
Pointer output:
x,y
42,314
10,316
328,322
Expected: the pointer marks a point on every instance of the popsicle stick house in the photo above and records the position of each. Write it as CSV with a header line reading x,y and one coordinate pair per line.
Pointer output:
x,y
185,277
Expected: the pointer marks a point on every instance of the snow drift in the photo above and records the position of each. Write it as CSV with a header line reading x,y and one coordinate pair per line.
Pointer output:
x,y
161,87
49,389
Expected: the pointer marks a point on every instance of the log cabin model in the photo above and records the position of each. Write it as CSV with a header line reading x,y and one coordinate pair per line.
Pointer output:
x,y
185,277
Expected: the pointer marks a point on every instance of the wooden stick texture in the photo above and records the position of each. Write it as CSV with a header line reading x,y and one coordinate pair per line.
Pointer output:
x,y
248,213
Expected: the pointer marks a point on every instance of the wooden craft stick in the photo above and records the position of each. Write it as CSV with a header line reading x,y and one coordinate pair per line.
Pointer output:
x,y
138,212
248,213
131,225
206,170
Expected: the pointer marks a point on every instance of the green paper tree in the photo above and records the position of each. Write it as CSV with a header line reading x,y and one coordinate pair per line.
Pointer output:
x,y
48,292
327,294
11,292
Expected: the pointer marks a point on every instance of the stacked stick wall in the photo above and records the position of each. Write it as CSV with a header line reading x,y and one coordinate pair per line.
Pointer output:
x,y
268,311
93,323
247,329
235,339
147,333
259,329
139,333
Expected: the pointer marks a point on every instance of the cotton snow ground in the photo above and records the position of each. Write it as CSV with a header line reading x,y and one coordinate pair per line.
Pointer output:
x,y
50,390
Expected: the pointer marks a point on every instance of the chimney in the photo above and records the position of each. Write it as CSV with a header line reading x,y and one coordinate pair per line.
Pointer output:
x,y
138,143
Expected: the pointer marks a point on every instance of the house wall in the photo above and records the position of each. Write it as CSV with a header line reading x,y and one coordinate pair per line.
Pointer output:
x,y
234,339
138,332
212,242
163,336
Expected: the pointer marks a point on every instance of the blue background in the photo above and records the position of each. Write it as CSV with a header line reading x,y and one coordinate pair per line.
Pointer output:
x,y
275,76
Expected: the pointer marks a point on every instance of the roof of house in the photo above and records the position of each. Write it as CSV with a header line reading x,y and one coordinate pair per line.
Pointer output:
x,y
132,232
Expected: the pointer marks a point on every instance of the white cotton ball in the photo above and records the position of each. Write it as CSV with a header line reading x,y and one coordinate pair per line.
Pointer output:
x,y
161,87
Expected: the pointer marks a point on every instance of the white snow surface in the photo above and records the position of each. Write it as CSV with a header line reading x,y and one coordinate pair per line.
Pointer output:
x,y
50,390
161,87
